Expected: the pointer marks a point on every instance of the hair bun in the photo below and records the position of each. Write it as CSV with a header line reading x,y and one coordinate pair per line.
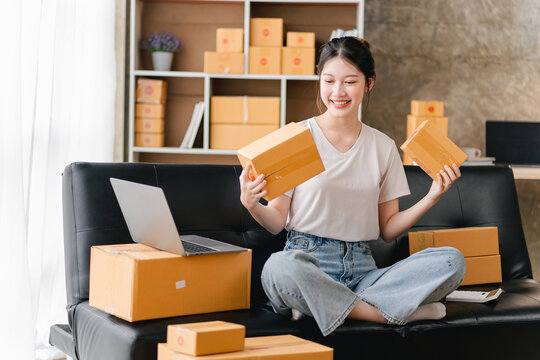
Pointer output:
x,y
364,42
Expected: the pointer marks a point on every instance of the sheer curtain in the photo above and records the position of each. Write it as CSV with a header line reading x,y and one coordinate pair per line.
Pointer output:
x,y
57,91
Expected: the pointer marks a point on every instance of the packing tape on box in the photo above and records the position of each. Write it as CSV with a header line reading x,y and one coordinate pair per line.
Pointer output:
x,y
246,117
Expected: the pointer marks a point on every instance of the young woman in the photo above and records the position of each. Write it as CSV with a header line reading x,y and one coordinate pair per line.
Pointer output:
x,y
326,269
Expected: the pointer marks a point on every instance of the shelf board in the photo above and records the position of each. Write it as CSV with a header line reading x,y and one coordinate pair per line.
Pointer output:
x,y
193,74
526,172
177,150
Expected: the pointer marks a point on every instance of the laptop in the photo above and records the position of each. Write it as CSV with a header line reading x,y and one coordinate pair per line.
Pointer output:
x,y
513,142
150,222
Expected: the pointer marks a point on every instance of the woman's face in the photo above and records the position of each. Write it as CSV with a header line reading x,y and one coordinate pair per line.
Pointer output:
x,y
342,88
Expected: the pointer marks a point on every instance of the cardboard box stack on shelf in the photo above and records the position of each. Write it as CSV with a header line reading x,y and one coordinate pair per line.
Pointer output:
x,y
422,111
236,121
265,44
479,246
229,55
150,112
298,57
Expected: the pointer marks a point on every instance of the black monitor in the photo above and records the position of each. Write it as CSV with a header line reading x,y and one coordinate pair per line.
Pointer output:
x,y
513,142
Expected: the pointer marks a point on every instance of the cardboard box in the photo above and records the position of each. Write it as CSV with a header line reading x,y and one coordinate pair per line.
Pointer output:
x,y
151,91
471,241
223,63
230,40
287,157
149,139
262,110
203,338
427,108
298,61
264,60
266,32
482,270
137,282
155,111
301,39
235,136
286,347
149,125
413,122
431,149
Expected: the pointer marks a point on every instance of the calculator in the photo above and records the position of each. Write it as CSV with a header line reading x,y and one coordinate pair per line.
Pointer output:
x,y
474,296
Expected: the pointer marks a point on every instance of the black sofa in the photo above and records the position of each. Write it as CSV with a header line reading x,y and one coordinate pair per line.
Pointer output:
x,y
204,199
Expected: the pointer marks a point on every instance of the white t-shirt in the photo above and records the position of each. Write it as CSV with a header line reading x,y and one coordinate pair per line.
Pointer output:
x,y
342,202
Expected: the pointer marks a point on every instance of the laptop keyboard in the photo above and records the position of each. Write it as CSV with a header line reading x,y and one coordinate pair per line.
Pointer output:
x,y
196,248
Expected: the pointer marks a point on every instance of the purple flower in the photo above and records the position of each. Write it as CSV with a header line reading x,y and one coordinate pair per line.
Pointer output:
x,y
161,42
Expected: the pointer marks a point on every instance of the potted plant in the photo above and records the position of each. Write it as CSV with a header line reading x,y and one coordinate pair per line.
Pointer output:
x,y
162,45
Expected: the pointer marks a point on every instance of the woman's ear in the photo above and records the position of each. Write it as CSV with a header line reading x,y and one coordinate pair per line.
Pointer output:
x,y
369,85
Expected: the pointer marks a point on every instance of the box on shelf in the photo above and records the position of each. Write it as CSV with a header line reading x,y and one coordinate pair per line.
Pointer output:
x,y
298,61
149,139
286,347
427,108
235,136
262,110
482,270
149,110
204,338
266,32
431,149
230,40
223,63
137,282
264,60
287,157
149,125
301,39
151,91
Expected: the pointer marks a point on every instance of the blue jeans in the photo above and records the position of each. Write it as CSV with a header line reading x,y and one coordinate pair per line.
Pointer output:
x,y
325,278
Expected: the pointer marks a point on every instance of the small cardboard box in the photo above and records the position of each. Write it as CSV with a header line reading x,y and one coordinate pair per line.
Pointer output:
x,y
203,338
427,108
301,39
280,347
235,136
155,111
413,122
287,157
149,125
223,63
151,91
431,149
471,241
230,40
264,60
482,270
266,32
137,282
298,61
261,110
149,139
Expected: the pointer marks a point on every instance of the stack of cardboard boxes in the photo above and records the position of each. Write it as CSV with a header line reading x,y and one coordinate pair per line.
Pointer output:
x,y
229,55
221,340
299,54
150,112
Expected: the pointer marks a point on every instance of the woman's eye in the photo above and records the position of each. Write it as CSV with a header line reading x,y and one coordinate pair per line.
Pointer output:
x,y
328,81
350,82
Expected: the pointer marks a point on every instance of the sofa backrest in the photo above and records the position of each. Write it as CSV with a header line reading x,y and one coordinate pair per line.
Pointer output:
x,y
204,200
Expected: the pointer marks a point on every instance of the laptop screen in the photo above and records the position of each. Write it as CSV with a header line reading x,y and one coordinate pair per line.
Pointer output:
x,y
513,142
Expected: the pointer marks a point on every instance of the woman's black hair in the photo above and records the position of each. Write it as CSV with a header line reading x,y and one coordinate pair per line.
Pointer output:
x,y
356,51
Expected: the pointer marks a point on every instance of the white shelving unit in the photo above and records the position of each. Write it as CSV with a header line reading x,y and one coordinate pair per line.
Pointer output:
x,y
136,15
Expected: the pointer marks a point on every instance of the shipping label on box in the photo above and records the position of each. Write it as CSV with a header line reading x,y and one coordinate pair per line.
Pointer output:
x,y
261,110
431,150
287,157
286,347
149,125
149,139
151,91
482,270
427,108
266,32
235,136
264,60
298,61
471,241
155,111
203,338
223,63
137,282
230,40
413,122
301,39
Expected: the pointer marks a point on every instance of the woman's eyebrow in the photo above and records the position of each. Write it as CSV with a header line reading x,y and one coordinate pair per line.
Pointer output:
x,y
350,75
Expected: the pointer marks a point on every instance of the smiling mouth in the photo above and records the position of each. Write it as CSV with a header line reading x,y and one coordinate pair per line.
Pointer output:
x,y
340,103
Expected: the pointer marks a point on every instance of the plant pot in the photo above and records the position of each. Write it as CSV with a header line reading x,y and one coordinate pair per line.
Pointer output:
x,y
162,60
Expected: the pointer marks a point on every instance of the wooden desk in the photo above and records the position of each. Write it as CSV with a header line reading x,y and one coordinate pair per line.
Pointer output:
x,y
526,172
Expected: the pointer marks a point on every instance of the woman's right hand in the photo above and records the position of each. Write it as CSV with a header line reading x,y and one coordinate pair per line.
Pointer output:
x,y
251,191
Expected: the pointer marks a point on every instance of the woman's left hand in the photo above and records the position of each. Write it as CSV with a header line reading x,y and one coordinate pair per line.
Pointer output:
x,y
445,179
